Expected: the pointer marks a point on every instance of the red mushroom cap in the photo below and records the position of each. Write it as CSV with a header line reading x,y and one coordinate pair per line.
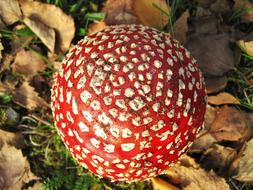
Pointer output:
x,y
128,101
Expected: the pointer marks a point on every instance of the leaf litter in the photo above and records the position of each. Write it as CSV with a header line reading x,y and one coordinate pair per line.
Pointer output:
x,y
221,150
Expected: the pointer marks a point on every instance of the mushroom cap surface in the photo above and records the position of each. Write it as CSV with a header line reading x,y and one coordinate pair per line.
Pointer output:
x,y
128,101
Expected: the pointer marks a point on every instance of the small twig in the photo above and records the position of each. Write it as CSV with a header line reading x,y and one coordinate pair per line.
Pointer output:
x,y
39,119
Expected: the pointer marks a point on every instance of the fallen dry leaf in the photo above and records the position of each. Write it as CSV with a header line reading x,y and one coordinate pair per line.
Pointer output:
x,y
210,116
96,27
2,25
120,12
10,11
202,143
26,97
204,3
44,33
245,164
247,47
220,6
219,157
28,63
12,139
149,14
159,184
180,27
14,168
1,48
215,84
135,12
53,17
195,178
222,98
229,125
6,88
212,51
247,7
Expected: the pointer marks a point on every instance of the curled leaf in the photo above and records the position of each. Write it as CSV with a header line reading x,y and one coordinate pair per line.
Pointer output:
x,y
44,33
159,184
222,98
96,27
152,13
53,17
247,47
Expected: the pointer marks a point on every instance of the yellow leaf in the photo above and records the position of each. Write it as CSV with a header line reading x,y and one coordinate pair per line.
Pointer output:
x,y
159,184
247,47
149,14
10,11
222,98
44,33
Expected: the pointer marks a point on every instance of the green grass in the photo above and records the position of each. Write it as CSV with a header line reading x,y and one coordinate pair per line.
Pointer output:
x,y
241,82
239,12
236,185
51,160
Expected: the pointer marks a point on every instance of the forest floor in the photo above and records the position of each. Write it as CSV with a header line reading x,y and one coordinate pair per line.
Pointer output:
x,y
218,33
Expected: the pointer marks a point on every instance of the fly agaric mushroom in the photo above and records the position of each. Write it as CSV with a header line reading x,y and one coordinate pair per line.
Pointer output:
x,y
128,101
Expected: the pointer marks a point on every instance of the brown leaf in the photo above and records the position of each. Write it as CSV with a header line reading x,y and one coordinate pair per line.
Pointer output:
x,y
210,116
205,3
203,143
120,12
229,125
222,98
25,96
215,84
12,139
159,184
245,166
53,17
246,7
1,48
96,27
195,178
44,33
212,51
10,11
247,47
219,157
220,6
28,63
180,27
149,14
135,12
2,25
6,88
14,168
